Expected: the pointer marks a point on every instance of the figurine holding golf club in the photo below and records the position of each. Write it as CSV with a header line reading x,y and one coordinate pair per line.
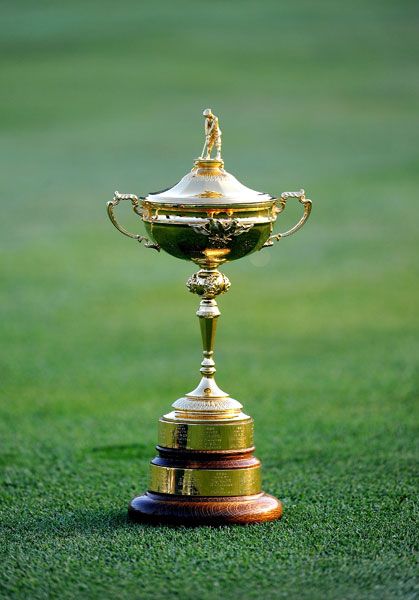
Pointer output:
x,y
212,135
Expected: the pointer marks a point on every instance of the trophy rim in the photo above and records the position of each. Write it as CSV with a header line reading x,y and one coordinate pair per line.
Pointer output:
x,y
209,207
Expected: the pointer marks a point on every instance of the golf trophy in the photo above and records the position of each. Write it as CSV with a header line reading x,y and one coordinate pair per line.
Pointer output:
x,y
205,472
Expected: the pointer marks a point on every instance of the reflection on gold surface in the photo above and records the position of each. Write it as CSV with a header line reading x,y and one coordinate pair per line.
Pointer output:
x,y
205,482
215,256
206,436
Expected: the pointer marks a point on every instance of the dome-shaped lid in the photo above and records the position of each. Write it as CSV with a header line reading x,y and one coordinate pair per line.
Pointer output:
x,y
208,183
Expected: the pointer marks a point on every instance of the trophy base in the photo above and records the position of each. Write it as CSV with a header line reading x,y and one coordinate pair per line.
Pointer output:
x,y
167,509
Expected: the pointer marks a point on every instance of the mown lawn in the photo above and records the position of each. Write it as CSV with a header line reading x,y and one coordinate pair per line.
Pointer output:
x,y
319,335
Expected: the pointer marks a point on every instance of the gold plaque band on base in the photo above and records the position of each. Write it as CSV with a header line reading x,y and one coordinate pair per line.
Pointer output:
x,y
206,436
205,482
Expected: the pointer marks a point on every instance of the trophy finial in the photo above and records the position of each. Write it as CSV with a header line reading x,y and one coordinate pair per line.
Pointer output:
x,y
212,135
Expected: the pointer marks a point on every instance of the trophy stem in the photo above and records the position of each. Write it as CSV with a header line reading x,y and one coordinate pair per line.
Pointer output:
x,y
208,314
207,400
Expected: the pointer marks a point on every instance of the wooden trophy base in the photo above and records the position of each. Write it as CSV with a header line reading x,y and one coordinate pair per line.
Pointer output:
x,y
205,474
155,508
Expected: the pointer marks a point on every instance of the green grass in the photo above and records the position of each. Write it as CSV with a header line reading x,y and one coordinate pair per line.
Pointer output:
x,y
320,343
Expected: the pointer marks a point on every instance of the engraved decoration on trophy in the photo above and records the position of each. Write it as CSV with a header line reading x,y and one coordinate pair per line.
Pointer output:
x,y
222,231
205,471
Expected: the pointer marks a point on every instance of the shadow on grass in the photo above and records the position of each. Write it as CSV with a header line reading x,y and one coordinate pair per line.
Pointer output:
x,y
120,451
96,523
99,522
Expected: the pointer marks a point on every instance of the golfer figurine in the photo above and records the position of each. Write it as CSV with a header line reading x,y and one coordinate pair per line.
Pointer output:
x,y
212,135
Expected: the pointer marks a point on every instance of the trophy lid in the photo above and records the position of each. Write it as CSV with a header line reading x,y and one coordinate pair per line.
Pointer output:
x,y
208,183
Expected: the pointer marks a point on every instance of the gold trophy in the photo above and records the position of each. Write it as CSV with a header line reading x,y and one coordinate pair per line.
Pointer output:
x,y
205,471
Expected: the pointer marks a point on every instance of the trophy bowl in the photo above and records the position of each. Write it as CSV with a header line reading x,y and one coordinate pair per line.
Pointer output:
x,y
209,217
205,471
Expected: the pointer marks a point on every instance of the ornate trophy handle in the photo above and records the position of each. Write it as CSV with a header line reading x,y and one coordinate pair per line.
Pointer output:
x,y
283,201
117,197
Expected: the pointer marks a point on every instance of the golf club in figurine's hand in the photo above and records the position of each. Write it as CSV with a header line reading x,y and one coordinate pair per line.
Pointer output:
x,y
205,472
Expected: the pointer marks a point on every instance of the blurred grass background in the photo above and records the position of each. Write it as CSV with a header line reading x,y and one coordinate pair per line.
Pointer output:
x,y
318,336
